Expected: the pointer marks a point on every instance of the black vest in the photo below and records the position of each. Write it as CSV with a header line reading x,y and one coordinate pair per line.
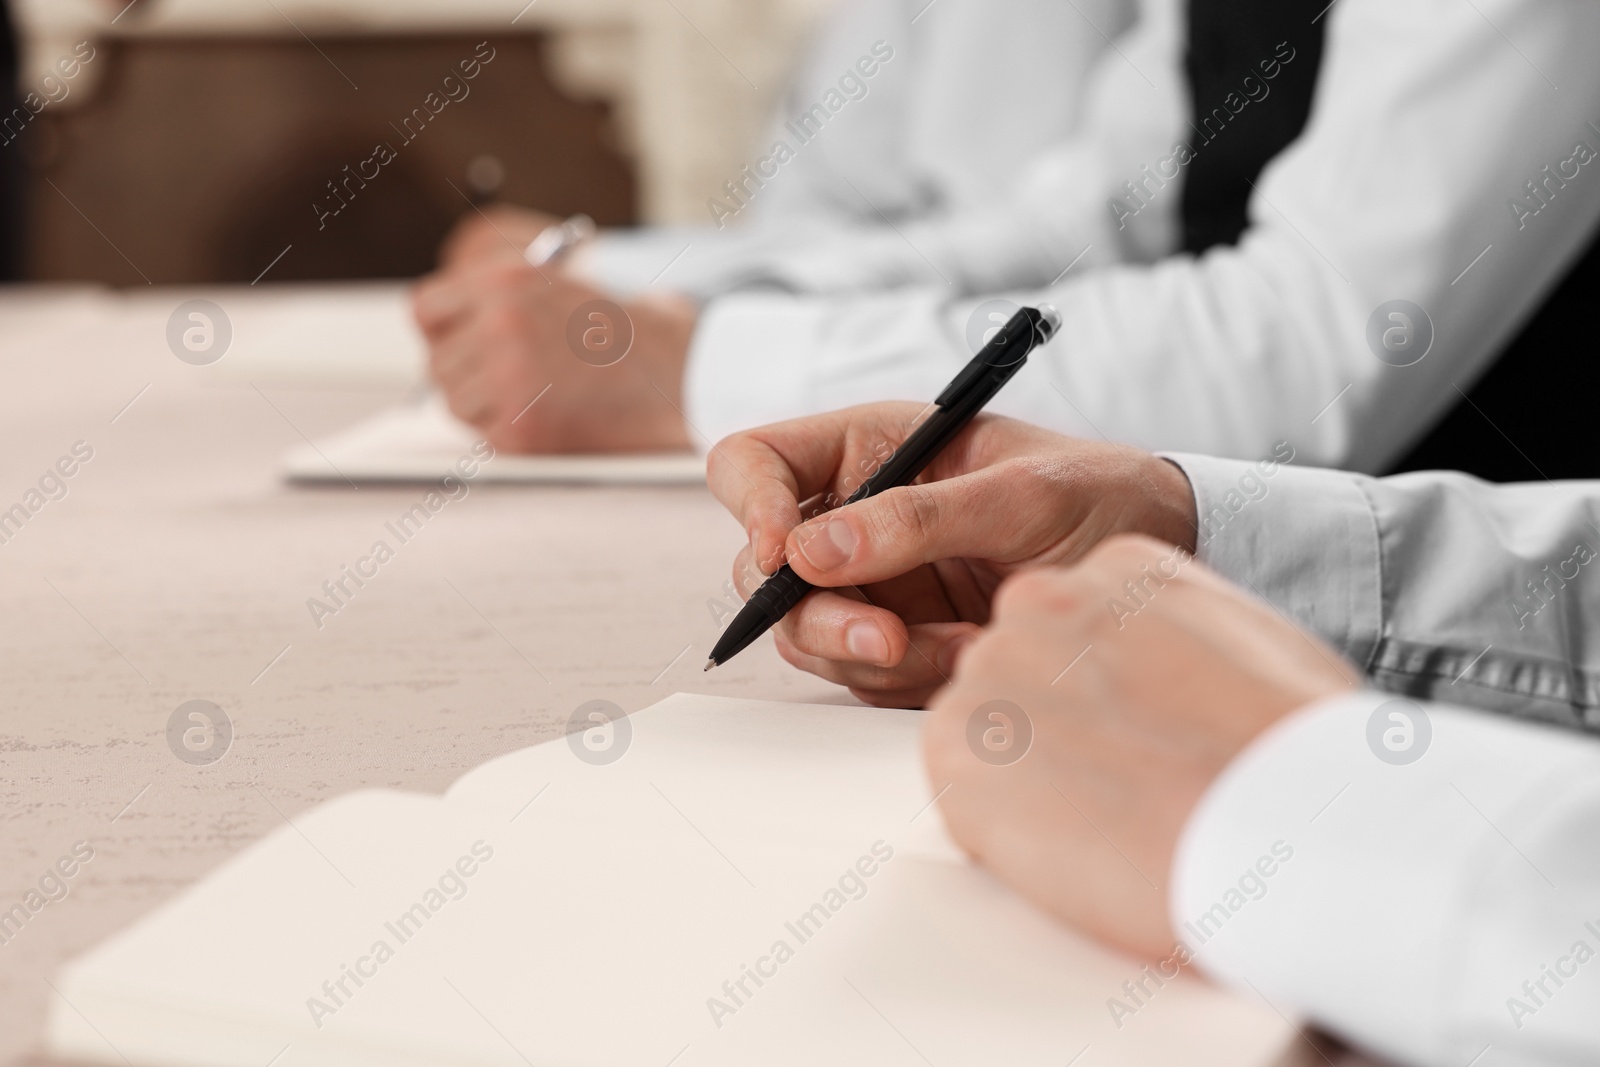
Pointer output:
x,y
1519,422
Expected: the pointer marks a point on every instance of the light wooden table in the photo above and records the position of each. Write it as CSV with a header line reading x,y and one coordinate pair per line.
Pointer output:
x,y
177,567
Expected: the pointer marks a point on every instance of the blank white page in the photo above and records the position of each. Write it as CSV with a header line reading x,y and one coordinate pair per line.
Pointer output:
x,y
617,902
422,442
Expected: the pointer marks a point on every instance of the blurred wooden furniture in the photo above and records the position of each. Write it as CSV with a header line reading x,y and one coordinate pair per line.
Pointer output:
x,y
193,145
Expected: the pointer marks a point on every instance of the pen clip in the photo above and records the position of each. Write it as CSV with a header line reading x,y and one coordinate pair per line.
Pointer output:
x,y
1004,352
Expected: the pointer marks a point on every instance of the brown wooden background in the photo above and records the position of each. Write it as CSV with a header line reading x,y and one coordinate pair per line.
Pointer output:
x,y
199,160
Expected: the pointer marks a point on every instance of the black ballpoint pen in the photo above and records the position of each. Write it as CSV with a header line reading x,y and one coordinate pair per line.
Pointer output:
x,y
961,400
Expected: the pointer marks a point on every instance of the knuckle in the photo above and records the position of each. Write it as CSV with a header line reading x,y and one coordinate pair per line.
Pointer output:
x,y
814,635
1033,589
1000,657
502,319
943,743
716,464
720,466
1025,470
1136,557
911,511
499,436
978,658
1123,549
462,407
505,277
1041,485
734,442
925,506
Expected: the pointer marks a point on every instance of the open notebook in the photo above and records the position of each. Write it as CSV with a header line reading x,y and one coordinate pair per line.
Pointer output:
x,y
748,883
422,442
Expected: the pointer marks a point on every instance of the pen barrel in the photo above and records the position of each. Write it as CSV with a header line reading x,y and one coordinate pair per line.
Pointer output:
x,y
984,376
780,593
765,609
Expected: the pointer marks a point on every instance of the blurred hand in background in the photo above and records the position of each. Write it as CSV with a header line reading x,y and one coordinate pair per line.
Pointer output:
x,y
495,232
539,361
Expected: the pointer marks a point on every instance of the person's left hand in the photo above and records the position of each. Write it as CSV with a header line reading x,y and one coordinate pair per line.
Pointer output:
x,y
1136,696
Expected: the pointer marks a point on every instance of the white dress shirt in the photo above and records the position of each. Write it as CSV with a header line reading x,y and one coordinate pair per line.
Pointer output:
x,y
1440,904
1430,118
935,130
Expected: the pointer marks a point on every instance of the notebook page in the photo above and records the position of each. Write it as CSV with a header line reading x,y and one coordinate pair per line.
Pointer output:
x,y
421,441
620,913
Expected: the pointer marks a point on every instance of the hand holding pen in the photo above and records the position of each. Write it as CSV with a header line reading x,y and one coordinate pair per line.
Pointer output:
x,y
905,578
977,383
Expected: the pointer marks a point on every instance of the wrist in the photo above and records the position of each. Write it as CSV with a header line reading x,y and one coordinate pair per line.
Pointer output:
x,y
1173,515
646,404
663,328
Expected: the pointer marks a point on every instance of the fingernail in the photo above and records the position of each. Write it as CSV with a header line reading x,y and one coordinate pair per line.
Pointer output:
x,y
828,546
866,642
950,654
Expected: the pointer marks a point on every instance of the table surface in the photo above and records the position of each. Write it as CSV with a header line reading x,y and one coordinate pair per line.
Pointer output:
x,y
178,566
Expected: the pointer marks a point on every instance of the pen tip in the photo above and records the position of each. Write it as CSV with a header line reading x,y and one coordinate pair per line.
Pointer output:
x,y
710,663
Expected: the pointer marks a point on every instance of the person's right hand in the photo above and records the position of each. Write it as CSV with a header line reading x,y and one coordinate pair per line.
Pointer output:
x,y
496,232
908,574
500,336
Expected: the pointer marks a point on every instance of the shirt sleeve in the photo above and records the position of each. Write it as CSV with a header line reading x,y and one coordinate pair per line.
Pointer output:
x,y
1380,199
1420,879
1438,585
1029,214
970,154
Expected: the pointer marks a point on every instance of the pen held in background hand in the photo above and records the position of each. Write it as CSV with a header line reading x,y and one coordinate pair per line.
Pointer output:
x,y
962,399
557,240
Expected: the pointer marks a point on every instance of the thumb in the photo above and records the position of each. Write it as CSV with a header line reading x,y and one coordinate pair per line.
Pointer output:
x,y
975,516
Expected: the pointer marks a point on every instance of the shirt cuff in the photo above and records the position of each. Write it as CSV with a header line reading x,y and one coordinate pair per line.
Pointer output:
x,y
702,262
748,364
764,357
1304,539
1390,870
694,261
